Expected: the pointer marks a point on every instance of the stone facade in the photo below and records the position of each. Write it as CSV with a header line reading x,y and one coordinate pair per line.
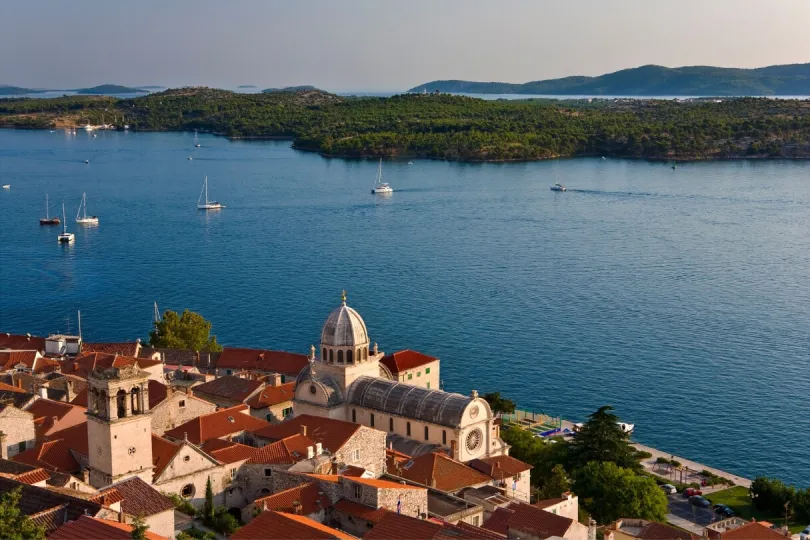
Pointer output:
x,y
569,507
17,432
178,408
273,414
162,523
365,449
192,467
426,376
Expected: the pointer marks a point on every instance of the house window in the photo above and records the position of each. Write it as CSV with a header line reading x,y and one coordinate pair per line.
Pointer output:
x,y
475,521
426,433
410,376
182,403
408,429
428,385
427,371
358,491
356,455
418,373
228,372
268,472
286,412
21,447
233,474
372,420
188,491
268,417
354,415
444,437
283,379
390,424
186,458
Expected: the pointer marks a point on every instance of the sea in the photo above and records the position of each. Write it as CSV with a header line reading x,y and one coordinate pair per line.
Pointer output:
x,y
681,297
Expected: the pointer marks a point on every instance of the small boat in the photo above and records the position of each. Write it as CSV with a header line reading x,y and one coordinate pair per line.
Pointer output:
x,y
208,205
189,158
410,163
65,237
558,187
87,161
126,127
73,132
94,135
6,186
84,219
88,127
48,220
196,142
627,428
381,187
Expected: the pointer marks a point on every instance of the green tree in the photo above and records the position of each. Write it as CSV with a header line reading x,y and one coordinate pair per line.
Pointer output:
x,y
499,404
208,507
139,528
14,525
187,331
609,492
601,439
556,484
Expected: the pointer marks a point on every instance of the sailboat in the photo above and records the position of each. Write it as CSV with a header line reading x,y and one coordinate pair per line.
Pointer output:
x,y
380,186
84,220
208,205
196,142
48,220
65,237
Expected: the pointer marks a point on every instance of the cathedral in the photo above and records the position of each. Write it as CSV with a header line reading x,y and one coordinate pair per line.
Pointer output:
x,y
347,381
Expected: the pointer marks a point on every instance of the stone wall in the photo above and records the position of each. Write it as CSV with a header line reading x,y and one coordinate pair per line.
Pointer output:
x,y
370,445
168,413
413,502
17,427
194,471
162,523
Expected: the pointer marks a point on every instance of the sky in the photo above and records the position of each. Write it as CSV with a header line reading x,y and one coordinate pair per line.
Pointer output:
x,y
383,45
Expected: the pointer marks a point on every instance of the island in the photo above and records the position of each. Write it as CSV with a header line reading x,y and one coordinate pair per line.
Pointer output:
x,y
152,87
651,80
110,89
247,86
8,90
290,89
443,126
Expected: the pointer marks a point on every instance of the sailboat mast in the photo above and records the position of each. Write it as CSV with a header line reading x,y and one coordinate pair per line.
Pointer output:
x,y
47,216
206,190
64,220
84,205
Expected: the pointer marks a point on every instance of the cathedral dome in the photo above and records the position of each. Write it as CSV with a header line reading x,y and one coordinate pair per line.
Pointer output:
x,y
344,328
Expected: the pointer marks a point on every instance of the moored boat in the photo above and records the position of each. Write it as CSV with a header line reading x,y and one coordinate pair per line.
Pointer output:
x,y
208,205
48,220
381,187
65,237
85,219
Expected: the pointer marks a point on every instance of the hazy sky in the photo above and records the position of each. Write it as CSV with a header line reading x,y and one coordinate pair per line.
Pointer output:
x,y
383,44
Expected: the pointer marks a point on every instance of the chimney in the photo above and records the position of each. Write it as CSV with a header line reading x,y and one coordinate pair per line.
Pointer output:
x,y
275,379
121,518
310,452
304,430
3,448
86,475
334,467
43,392
318,449
297,508
567,495
474,394
453,449
19,383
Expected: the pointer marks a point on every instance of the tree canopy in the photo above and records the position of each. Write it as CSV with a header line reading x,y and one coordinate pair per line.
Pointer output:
x,y
14,525
187,331
139,528
499,404
610,492
601,439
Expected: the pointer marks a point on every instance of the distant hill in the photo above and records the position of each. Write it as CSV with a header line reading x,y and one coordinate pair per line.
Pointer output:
x,y
786,80
110,89
152,87
246,86
290,89
7,90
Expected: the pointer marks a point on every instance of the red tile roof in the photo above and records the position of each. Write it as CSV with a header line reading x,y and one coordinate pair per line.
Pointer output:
x,y
139,498
331,433
272,525
404,360
752,531
272,395
361,511
9,359
90,528
8,388
46,365
521,517
83,364
351,470
46,408
21,342
500,466
262,360
382,484
217,424
51,455
437,470
230,387
129,348
659,531
75,437
393,526
162,453
288,450
33,477
228,451
309,496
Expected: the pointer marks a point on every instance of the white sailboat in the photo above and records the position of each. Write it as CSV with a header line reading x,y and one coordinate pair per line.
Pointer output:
x,y
84,219
208,205
381,187
196,142
65,237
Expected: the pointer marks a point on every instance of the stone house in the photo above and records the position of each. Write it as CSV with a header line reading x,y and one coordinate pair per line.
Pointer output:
x,y
565,506
306,500
393,525
347,442
629,529
83,364
271,525
30,361
171,409
524,521
140,499
413,368
233,360
508,473
234,423
274,401
17,432
436,470
183,468
228,390
52,416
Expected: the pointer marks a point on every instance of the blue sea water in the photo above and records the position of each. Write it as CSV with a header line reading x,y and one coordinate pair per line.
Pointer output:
x,y
681,297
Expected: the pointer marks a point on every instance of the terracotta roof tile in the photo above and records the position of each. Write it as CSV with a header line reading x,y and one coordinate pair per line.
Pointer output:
x,y
90,528
465,530
280,526
353,471
752,531
272,395
332,434
39,501
288,450
383,484
305,494
9,359
49,455
46,408
361,511
33,477
106,497
157,393
141,498
545,503
8,388
500,466
262,360
228,451
331,478
521,517
128,348
659,531
13,468
229,386
75,438
393,526
405,360
217,424
46,365
162,453
21,342
437,470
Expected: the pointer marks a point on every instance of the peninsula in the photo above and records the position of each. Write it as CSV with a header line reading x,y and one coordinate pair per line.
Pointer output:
x,y
110,89
786,80
451,127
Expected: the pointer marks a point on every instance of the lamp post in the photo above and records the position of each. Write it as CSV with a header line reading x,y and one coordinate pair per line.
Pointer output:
x,y
787,504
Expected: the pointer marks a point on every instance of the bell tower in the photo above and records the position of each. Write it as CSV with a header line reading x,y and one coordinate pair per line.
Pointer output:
x,y
119,428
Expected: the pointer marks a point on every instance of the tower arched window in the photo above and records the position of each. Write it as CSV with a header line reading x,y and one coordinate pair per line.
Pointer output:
x,y
331,356
323,356
121,403
408,429
365,353
349,357
371,420
426,433
103,404
135,401
391,424
340,357
354,415
444,437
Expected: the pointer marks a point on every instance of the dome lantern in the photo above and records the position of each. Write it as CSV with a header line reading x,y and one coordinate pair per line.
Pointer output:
x,y
344,337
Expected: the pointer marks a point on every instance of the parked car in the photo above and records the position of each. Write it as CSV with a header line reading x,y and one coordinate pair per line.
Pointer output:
x,y
668,488
723,510
688,492
805,534
700,502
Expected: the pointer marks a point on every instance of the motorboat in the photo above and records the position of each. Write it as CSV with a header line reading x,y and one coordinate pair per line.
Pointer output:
x,y
85,219
208,205
381,187
87,161
189,158
558,187
627,428
196,141
48,220
65,237
6,186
